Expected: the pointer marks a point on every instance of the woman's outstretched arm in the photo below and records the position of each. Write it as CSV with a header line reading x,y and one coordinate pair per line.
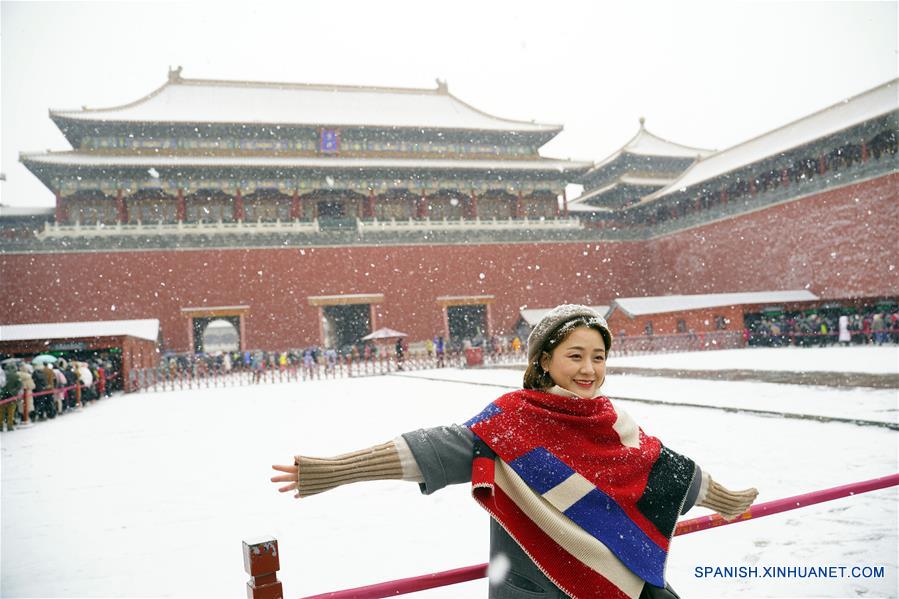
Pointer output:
x,y
309,476
434,458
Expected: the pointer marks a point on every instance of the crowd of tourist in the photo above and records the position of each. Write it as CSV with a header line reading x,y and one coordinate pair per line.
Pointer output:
x,y
821,328
327,359
47,387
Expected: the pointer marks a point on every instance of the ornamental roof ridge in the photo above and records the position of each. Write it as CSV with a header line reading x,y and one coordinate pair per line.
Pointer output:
x,y
141,100
184,108
660,143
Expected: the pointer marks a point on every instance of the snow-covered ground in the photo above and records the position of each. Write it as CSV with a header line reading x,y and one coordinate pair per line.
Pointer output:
x,y
151,494
867,358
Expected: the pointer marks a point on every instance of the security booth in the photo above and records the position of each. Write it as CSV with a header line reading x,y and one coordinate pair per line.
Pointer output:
x,y
127,344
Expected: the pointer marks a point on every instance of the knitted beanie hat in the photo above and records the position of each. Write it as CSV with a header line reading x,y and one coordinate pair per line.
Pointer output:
x,y
556,318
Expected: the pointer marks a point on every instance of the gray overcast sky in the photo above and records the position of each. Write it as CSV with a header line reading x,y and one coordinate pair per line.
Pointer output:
x,y
707,74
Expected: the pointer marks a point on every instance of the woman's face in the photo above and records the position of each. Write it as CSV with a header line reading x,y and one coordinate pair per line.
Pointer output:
x,y
578,364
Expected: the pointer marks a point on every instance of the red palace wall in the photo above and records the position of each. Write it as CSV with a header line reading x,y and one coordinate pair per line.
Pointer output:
x,y
840,243
275,283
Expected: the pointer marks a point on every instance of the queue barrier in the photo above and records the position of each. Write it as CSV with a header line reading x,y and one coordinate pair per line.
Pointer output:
x,y
77,387
262,562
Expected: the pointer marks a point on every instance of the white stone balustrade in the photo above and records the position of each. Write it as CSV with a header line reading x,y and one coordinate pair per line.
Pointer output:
x,y
476,224
53,230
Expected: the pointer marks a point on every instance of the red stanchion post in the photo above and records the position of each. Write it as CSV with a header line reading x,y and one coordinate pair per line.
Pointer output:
x,y
261,562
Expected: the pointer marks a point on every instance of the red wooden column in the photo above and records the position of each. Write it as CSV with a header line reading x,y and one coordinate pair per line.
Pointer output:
x,y
121,209
295,205
864,151
752,188
724,197
238,206
564,203
519,206
261,562
370,204
822,165
422,206
473,205
181,208
785,178
62,214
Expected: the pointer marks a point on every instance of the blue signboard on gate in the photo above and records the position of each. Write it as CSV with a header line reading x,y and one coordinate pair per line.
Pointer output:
x,y
330,141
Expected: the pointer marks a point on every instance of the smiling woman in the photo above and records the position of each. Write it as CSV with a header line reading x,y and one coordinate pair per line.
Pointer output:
x,y
555,465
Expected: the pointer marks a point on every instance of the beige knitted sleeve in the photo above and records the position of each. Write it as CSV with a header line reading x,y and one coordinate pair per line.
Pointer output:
x,y
729,504
316,475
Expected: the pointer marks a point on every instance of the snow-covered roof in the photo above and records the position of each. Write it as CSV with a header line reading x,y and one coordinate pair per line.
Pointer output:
x,y
533,315
622,181
577,206
142,329
873,103
106,160
7,210
182,100
640,306
645,143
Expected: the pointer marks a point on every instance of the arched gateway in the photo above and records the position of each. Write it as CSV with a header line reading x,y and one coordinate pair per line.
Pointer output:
x,y
217,337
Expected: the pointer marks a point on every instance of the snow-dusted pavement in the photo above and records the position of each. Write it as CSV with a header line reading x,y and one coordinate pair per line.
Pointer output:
x,y
151,494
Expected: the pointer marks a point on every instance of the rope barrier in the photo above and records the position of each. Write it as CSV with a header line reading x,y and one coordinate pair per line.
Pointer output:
x,y
57,390
469,573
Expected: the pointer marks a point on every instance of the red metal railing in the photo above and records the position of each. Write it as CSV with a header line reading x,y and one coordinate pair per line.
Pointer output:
x,y
54,391
262,564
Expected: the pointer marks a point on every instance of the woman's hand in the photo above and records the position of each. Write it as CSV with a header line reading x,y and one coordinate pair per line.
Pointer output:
x,y
292,476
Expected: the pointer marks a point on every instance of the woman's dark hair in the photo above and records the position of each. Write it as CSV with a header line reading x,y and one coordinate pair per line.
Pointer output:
x,y
537,378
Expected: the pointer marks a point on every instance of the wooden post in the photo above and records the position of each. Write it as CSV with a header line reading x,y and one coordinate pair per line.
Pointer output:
x,y
564,203
473,205
181,210
295,205
864,151
121,210
519,206
370,204
61,213
822,164
423,206
785,178
261,562
238,206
